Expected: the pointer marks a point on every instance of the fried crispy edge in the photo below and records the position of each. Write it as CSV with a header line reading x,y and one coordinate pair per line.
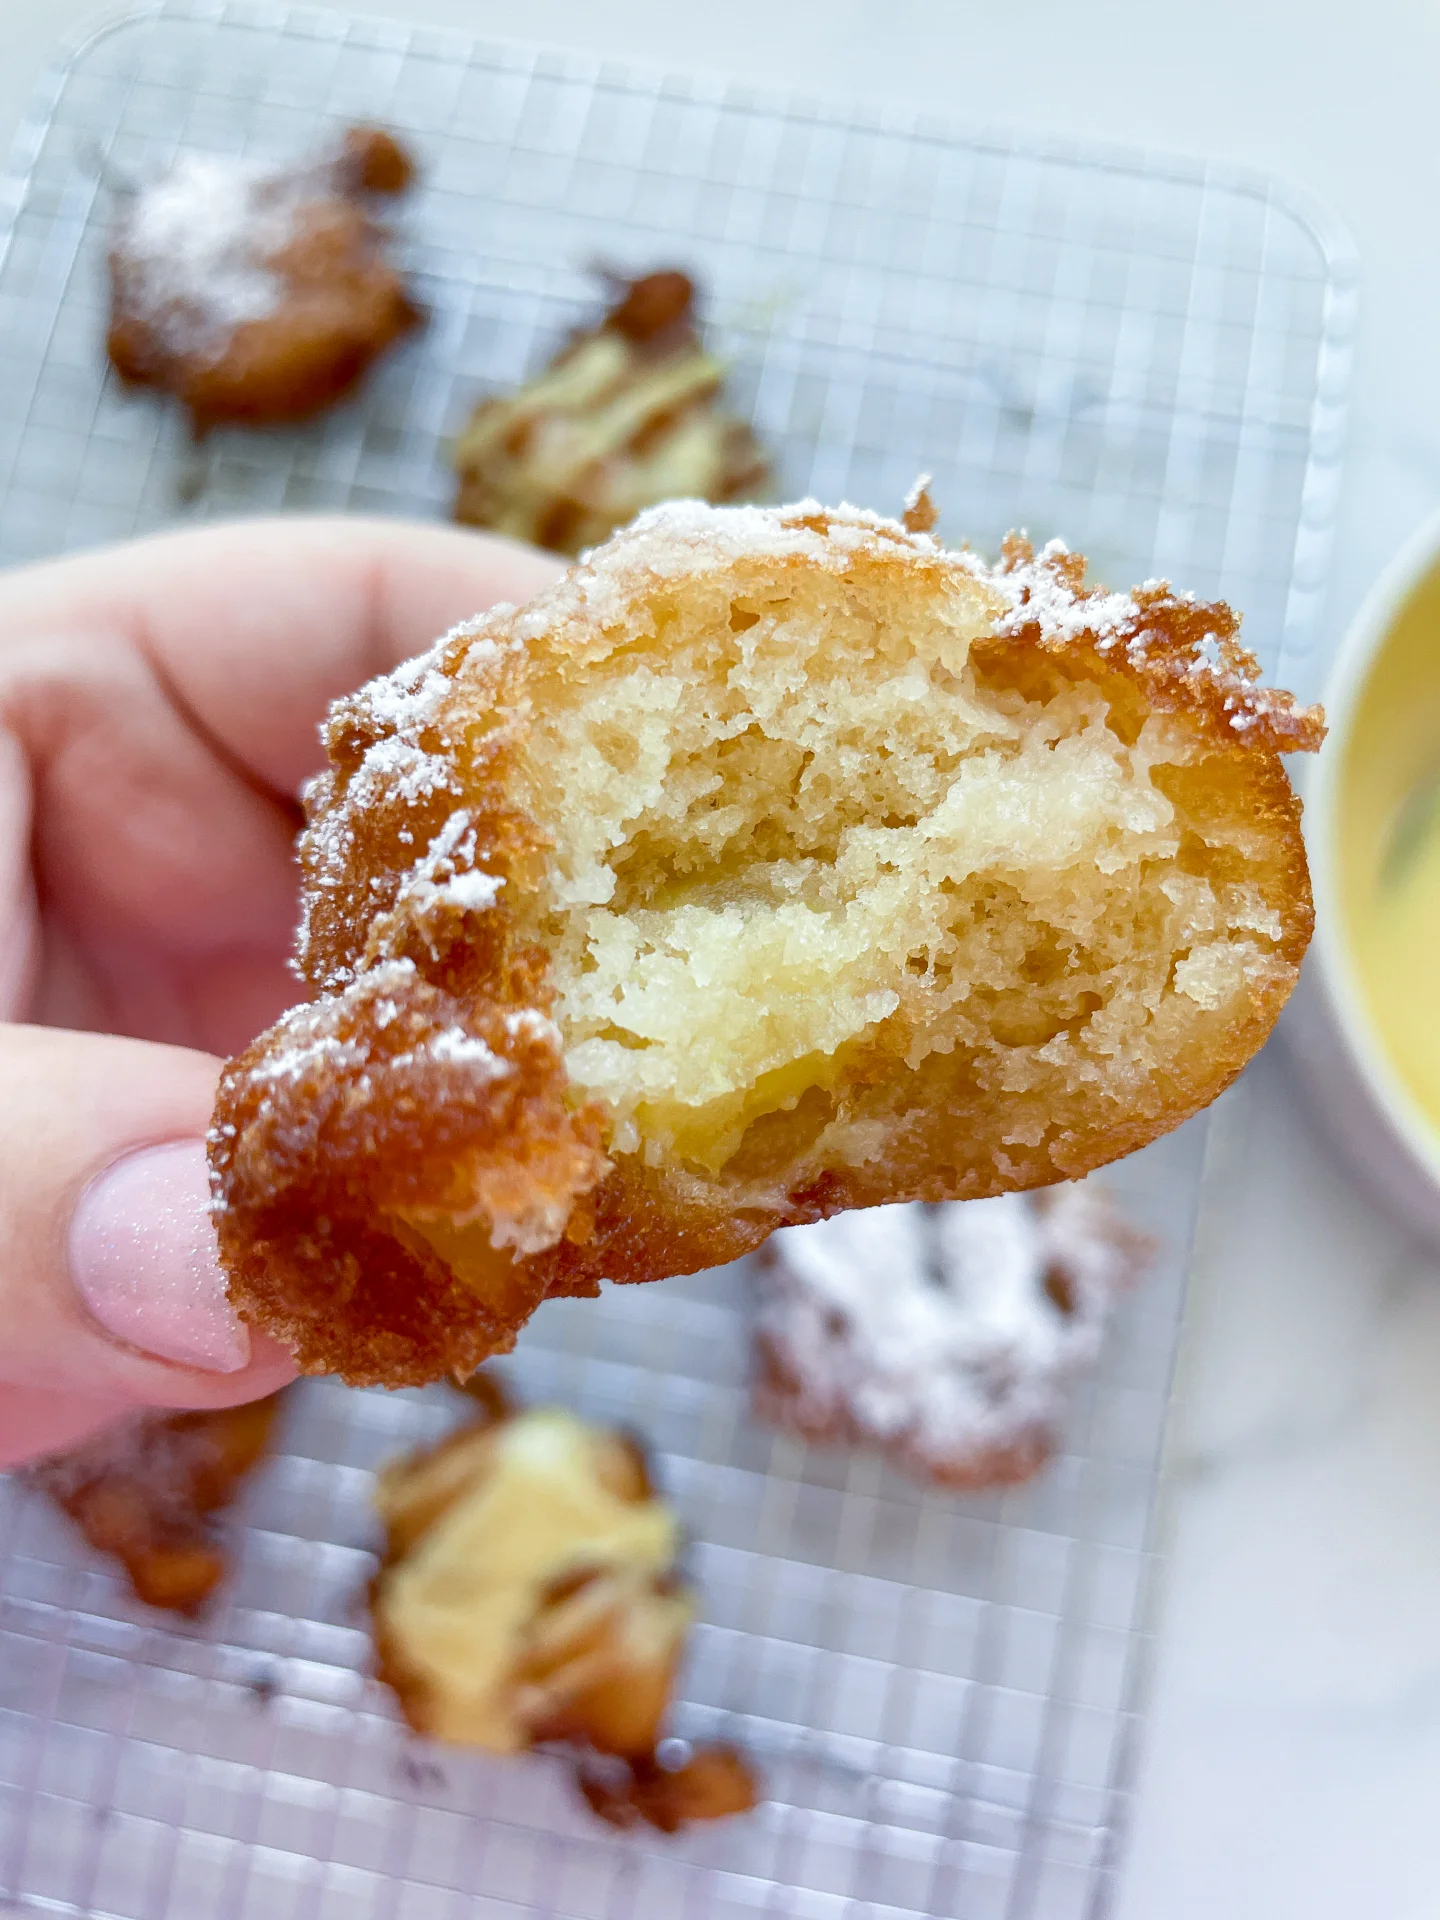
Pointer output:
x,y
317,1266
640,1223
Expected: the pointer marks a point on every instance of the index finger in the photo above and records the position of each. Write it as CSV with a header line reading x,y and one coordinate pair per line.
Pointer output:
x,y
255,626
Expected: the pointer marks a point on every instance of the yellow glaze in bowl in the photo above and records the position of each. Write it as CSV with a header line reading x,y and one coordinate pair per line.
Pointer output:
x,y
1387,845
1364,1024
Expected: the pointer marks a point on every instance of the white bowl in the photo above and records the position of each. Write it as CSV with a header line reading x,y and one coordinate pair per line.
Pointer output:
x,y
1360,1099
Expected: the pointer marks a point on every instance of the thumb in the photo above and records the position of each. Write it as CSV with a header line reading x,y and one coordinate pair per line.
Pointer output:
x,y
110,1284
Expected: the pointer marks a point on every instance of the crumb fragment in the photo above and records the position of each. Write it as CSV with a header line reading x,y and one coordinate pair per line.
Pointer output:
x,y
712,1784
920,513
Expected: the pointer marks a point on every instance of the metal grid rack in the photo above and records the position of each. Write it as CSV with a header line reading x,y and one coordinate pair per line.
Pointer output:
x,y
942,1691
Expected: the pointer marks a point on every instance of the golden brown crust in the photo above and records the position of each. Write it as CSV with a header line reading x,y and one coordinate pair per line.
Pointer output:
x,y
145,1494
338,303
426,849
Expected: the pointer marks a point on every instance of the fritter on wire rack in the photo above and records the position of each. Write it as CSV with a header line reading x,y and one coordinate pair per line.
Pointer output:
x,y
145,1491
259,294
944,1335
626,416
530,1594
776,861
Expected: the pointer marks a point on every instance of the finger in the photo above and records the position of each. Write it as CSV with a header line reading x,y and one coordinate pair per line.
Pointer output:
x,y
256,626
166,871
19,910
33,1422
150,852
110,1286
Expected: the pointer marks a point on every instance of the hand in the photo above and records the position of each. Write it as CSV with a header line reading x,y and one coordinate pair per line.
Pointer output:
x,y
158,713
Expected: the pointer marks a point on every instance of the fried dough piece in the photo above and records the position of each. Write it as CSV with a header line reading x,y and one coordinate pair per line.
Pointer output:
x,y
259,294
710,1784
529,1589
625,416
945,1335
144,1493
529,1593
828,869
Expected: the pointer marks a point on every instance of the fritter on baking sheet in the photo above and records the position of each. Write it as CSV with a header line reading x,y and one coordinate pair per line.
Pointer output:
x,y
146,1492
944,1335
530,1593
626,416
774,862
259,294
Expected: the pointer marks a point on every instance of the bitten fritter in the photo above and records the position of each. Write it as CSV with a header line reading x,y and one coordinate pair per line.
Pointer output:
x,y
145,1492
774,862
944,1335
259,295
626,416
530,1594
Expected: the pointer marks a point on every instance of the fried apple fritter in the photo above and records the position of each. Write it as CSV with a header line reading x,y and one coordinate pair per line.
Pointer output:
x,y
774,862
144,1492
530,1594
625,416
259,295
946,1335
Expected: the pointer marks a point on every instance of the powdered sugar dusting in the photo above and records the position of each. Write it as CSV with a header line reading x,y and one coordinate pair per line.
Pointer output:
x,y
303,1045
306,1054
689,539
1039,590
410,696
533,1025
948,1330
452,1046
406,764
193,251
444,880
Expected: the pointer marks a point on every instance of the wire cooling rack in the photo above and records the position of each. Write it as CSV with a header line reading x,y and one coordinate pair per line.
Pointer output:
x,y
942,1692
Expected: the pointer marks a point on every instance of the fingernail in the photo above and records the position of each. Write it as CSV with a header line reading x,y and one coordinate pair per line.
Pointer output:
x,y
143,1259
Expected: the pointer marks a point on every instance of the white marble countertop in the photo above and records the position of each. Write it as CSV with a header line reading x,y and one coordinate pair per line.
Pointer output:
x,y
1292,1756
